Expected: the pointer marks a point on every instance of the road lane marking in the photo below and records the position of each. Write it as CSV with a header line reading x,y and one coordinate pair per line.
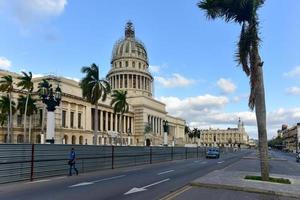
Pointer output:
x,y
96,181
220,162
204,162
196,161
165,172
141,189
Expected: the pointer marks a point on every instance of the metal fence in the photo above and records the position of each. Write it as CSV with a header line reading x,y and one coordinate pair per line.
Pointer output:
x,y
20,162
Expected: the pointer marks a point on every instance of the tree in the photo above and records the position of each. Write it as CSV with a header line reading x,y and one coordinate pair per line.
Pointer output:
x,y
93,90
244,12
187,130
6,85
6,105
120,105
26,85
196,134
27,103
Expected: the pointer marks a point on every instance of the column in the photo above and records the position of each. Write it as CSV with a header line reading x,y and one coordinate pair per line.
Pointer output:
x,y
116,122
124,124
106,120
119,81
128,124
111,121
101,120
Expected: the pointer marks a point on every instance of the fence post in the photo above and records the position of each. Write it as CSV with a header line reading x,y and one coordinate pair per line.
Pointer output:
x,y
185,152
150,155
112,156
172,153
32,162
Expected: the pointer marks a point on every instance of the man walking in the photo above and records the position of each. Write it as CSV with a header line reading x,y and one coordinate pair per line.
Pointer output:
x,y
72,162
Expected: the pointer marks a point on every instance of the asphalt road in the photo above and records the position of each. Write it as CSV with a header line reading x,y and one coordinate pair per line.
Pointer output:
x,y
143,182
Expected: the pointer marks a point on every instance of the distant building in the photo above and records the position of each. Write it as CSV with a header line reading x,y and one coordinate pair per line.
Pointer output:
x,y
231,137
291,137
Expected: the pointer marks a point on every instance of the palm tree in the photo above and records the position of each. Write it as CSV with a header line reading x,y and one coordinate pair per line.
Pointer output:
x,y
27,102
187,130
196,134
6,105
244,12
6,85
27,85
93,90
120,105
3,119
43,83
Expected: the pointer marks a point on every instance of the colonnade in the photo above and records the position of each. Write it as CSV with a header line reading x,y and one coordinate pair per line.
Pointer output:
x,y
131,81
156,124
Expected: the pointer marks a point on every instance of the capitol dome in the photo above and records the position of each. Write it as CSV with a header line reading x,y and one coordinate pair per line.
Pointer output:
x,y
129,46
129,65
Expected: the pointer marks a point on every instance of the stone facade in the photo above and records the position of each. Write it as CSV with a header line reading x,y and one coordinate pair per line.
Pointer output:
x,y
74,117
231,137
291,137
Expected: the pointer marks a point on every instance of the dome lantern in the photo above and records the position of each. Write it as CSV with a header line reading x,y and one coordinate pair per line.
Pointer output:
x,y
129,30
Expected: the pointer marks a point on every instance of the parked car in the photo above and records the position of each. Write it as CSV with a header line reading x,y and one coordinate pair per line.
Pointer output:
x,y
212,153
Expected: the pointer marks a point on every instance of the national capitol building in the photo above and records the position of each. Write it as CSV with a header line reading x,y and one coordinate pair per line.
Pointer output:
x,y
74,117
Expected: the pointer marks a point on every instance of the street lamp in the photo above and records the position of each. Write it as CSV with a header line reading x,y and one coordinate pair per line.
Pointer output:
x,y
166,130
51,100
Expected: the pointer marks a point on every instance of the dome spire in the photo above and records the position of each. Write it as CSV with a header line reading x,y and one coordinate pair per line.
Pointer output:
x,y
129,30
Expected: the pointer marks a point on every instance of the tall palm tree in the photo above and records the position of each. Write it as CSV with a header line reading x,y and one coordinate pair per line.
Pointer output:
x,y
244,12
26,84
120,105
6,105
196,134
46,84
187,131
7,86
29,104
93,90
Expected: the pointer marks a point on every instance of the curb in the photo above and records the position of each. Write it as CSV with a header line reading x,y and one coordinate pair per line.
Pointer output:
x,y
243,189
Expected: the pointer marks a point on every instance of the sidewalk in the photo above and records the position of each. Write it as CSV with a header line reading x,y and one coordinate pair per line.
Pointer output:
x,y
229,183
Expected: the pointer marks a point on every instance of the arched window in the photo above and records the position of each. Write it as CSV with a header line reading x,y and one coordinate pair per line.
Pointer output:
x,y
73,139
100,140
133,64
139,65
120,64
38,139
66,139
81,139
126,63
20,139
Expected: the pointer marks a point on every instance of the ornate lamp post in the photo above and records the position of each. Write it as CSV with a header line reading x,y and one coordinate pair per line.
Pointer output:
x,y
166,130
51,100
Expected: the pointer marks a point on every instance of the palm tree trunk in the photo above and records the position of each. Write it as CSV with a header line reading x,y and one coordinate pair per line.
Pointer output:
x,y
25,120
95,125
8,129
121,126
260,110
29,131
11,138
43,120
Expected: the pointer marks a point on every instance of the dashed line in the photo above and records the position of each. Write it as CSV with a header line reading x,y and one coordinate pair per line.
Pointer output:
x,y
165,172
39,181
220,162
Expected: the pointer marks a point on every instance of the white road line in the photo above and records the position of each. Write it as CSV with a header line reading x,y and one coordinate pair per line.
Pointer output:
x,y
135,189
96,181
39,181
204,162
196,161
165,172
220,162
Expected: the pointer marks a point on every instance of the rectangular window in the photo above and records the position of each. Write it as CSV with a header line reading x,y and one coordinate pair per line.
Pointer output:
x,y
72,120
63,118
109,128
19,120
79,120
104,119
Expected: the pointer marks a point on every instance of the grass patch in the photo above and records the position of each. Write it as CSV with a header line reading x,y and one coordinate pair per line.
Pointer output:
x,y
271,179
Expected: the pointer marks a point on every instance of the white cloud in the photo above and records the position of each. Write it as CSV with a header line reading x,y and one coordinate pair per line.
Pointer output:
x,y
293,90
209,111
154,68
5,63
176,80
293,73
226,85
27,12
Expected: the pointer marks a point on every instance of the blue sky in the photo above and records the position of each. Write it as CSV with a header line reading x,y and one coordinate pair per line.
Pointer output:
x,y
192,59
